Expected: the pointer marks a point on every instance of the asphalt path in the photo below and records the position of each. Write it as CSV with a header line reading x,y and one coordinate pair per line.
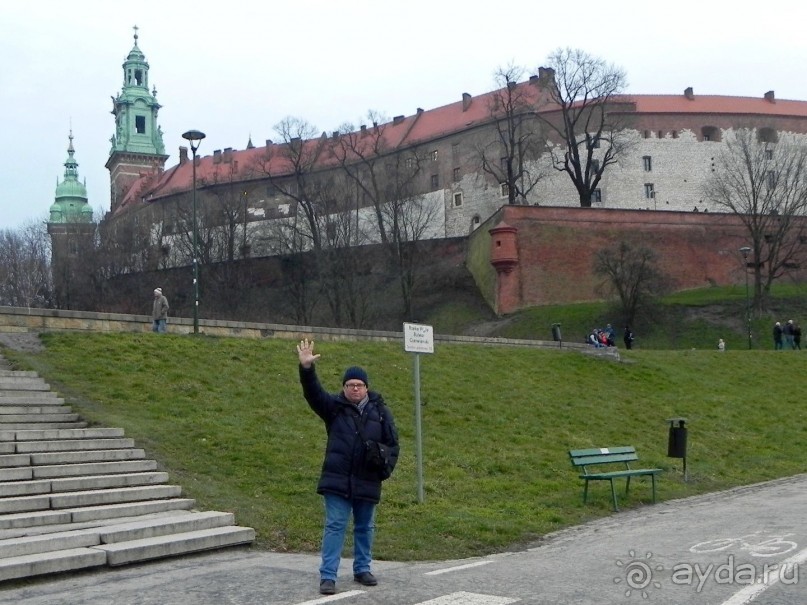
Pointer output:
x,y
746,545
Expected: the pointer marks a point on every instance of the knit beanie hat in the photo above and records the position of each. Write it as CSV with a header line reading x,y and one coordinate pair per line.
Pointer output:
x,y
158,291
355,373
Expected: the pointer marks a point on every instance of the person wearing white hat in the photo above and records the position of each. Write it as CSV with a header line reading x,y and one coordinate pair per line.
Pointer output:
x,y
159,312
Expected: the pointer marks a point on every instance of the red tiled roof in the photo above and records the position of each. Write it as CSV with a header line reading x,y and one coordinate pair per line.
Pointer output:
x,y
711,104
428,125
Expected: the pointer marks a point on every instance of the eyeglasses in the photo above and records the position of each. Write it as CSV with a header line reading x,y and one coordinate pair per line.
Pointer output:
x,y
355,385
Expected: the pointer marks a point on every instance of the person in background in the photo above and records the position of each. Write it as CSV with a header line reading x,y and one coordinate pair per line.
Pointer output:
x,y
159,312
628,337
788,330
777,336
348,483
797,336
721,345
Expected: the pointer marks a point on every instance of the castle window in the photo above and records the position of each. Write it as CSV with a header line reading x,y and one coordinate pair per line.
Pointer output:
x,y
647,134
411,163
675,134
138,76
767,135
433,156
769,154
595,166
435,181
140,124
661,134
475,222
710,133
595,143
649,191
458,199
771,179
648,163
456,174
596,196
504,190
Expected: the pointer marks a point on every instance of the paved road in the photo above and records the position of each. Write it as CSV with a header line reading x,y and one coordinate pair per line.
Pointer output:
x,y
710,550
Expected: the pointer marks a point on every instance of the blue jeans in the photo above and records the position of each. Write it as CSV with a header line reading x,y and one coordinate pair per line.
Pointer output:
x,y
158,325
337,515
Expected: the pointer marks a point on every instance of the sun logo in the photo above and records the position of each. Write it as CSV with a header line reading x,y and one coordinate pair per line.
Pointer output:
x,y
638,576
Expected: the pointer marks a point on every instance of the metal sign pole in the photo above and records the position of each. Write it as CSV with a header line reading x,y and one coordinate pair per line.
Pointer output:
x,y
418,339
418,431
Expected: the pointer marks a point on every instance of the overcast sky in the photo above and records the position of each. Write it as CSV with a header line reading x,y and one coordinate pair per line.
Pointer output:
x,y
235,69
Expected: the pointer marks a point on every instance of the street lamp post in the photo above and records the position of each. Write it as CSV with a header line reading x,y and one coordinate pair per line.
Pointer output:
x,y
744,251
194,137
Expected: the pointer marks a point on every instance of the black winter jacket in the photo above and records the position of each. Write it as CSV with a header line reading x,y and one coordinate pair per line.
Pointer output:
x,y
344,471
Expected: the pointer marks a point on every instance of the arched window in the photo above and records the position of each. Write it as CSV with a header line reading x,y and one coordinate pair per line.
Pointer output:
x,y
475,223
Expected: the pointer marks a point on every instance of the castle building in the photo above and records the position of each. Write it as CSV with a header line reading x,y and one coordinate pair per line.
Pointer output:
x,y
248,198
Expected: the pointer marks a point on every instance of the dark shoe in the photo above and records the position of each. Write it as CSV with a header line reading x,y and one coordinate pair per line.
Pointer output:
x,y
365,578
327,587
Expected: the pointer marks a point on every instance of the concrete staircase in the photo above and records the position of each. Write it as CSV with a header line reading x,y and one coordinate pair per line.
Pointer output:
x,y
73,497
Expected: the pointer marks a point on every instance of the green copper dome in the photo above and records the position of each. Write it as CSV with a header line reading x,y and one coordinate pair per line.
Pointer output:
x,y
70,205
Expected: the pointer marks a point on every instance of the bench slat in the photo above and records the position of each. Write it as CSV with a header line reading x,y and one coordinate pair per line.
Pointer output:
x,y
622,449
604,459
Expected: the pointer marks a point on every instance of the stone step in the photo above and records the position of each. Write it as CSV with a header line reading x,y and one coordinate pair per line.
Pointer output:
x,y
113,533
33,408
73,445
90,468
54,458
129,509
51,562
92,513
100,497
172,545
96,497
64,540
18,373
35,419
81,483
22,383
99,524
49,435
44,425
43,395
162,526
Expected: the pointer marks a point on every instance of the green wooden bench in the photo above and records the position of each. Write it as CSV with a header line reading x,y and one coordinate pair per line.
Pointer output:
x,y
601,459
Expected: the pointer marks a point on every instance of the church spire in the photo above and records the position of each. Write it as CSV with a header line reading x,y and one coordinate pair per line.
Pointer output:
x,y
70,204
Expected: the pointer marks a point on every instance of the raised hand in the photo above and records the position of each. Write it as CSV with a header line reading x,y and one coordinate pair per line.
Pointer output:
x,y
305,351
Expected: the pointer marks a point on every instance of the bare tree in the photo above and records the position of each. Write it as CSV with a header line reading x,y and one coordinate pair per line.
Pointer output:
x,y
385,180
762,179
25,270
582,94
511,155
294,170
631,274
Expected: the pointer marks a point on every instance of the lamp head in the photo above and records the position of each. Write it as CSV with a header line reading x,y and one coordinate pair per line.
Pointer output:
x,y
194,137
744,251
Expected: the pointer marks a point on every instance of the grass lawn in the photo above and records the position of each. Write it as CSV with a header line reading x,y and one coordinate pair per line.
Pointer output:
x,y
226,418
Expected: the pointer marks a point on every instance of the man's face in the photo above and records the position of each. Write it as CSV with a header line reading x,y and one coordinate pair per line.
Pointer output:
x,y
354,390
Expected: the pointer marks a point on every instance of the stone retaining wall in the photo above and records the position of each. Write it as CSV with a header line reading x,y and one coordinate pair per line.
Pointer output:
x,y
22,320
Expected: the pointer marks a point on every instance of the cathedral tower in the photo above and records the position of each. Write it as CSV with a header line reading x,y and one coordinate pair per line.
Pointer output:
x,y
71,231
137,145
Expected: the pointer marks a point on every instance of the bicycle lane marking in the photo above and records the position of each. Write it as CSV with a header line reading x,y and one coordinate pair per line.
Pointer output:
x,y
749,593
